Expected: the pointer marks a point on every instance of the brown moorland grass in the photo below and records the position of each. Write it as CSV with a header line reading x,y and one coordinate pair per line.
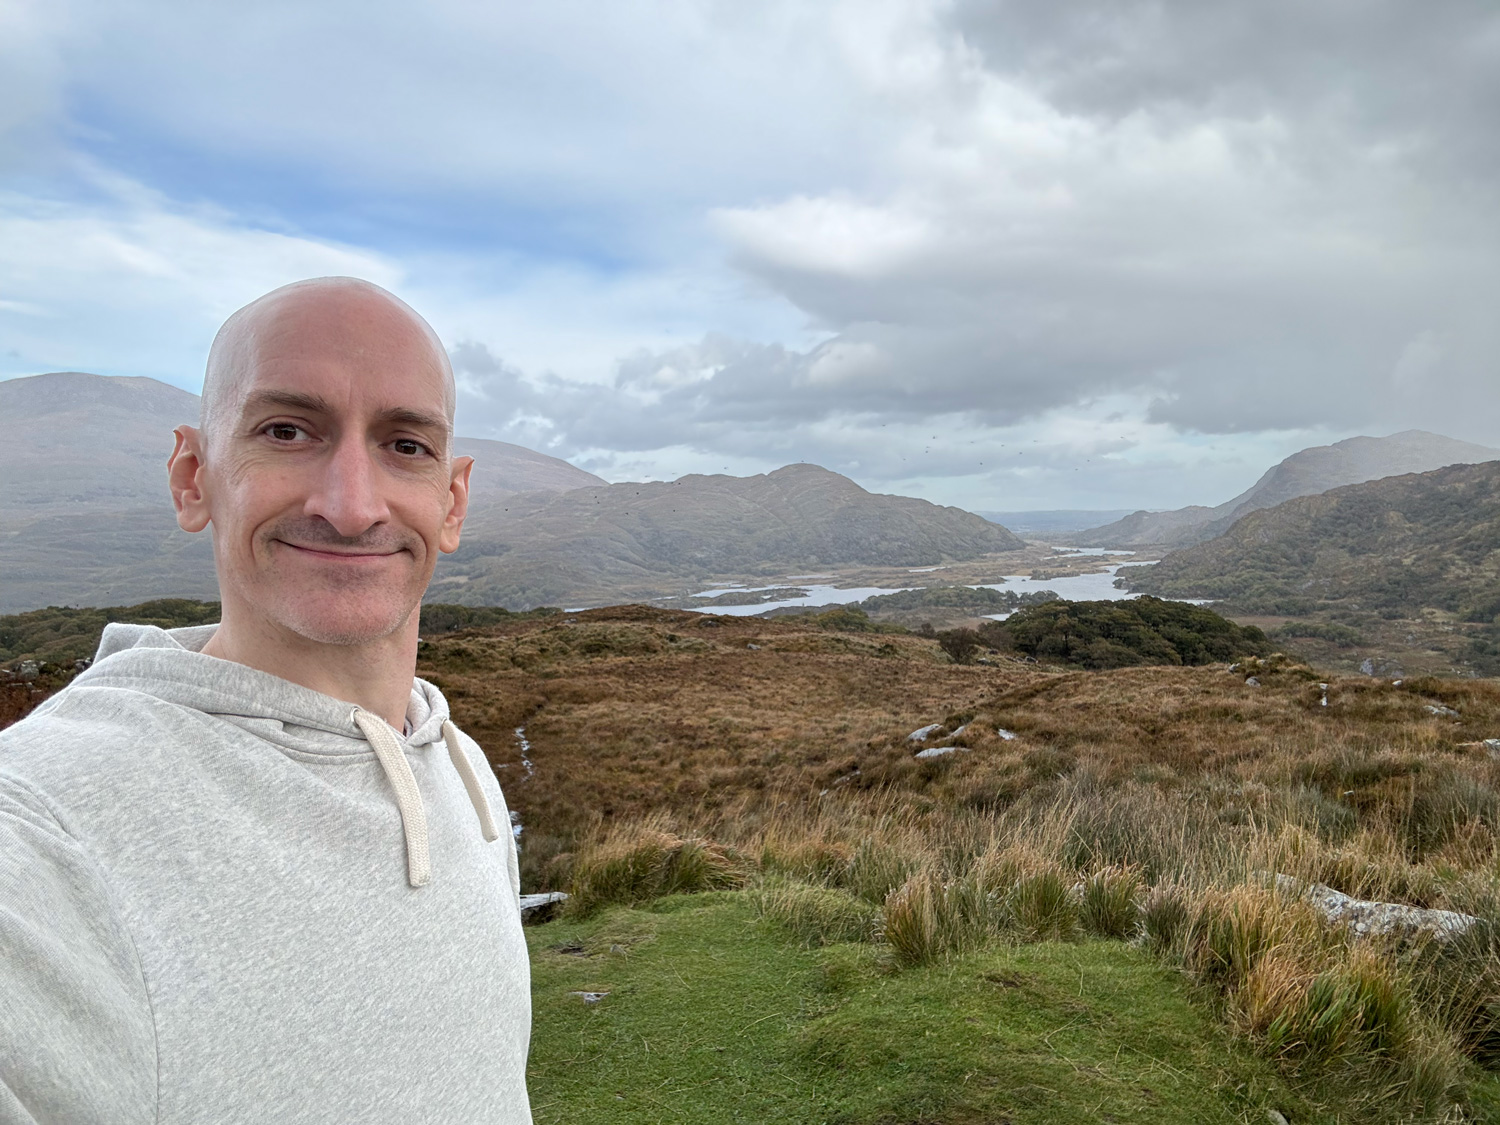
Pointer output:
x,y
633,711
630,711
1151,804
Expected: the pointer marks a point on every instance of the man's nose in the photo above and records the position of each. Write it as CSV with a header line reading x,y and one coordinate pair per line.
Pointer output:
x,y
348,492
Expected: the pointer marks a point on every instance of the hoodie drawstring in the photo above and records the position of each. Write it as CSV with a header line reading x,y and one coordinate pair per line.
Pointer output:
x,y
465,770
388,752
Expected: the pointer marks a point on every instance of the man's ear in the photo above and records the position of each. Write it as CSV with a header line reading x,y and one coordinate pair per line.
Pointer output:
x,y
458,505
185,479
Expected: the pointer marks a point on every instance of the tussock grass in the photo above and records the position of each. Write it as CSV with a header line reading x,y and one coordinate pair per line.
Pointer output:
x,y
1042,907
1110,904
639,863
817,915
818,861
1164,917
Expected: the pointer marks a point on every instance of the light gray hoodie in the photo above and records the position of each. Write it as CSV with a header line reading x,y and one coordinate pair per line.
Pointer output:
x,y
213,905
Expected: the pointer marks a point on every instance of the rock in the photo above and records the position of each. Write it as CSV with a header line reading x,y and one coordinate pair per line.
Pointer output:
x,y
921,734
1251,681
1367,666
590,997
1276,1117
1005,734
542,907
29,670
1493,746
1440,709
939,751
1367,917
754,647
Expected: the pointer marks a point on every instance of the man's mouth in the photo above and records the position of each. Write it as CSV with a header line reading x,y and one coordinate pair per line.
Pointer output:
x,y
338,555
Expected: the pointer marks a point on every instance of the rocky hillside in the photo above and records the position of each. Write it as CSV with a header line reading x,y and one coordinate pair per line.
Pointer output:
x,y
1424,541
1307,473
625,541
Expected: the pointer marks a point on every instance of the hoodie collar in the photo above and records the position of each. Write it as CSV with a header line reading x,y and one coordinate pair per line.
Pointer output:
x,y
168,664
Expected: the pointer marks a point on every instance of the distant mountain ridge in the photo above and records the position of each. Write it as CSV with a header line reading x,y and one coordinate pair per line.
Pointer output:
x,y
85,517
1053,521
639,540
1421,541
1306,473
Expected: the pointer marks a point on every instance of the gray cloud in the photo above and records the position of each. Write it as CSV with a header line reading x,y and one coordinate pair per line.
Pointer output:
x,y
1418,79
1245,214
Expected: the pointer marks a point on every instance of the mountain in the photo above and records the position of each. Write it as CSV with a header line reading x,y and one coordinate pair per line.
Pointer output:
x,y
87,442
1307,473
85,517
1403,544
628,541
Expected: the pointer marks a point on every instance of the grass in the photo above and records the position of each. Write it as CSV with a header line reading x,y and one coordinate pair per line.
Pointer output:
x,y
1142,804
714,1015
641,862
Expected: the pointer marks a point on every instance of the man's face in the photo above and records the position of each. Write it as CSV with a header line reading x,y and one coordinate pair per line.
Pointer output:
x,y
327,475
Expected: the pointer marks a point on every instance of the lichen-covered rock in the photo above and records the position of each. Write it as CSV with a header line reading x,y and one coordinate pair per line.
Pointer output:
x,y
1369,918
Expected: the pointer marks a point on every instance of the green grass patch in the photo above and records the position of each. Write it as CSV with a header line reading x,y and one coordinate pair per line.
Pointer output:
x,y
716,1015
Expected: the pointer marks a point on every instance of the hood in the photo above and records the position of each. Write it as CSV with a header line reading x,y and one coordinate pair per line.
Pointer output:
x,y
168,665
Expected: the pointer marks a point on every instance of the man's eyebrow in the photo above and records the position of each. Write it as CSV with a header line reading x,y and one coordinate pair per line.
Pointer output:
x,y
316,404
412,417
291,400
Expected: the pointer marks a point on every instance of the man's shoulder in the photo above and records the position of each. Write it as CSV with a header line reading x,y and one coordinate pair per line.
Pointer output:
x,y
83,732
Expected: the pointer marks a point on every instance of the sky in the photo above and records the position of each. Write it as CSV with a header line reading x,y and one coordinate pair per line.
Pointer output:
x,y
1007,255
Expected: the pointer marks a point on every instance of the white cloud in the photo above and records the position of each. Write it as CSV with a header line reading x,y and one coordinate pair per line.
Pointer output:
x,y
835,235
136,285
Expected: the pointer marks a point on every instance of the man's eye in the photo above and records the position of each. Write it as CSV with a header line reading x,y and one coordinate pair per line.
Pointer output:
x,y
408,448
284,431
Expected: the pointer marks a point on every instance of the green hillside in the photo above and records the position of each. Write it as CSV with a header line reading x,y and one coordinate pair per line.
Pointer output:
x,y
1398,546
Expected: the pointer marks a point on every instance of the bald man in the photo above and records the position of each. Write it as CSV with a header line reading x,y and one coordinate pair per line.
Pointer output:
x,y
252,871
